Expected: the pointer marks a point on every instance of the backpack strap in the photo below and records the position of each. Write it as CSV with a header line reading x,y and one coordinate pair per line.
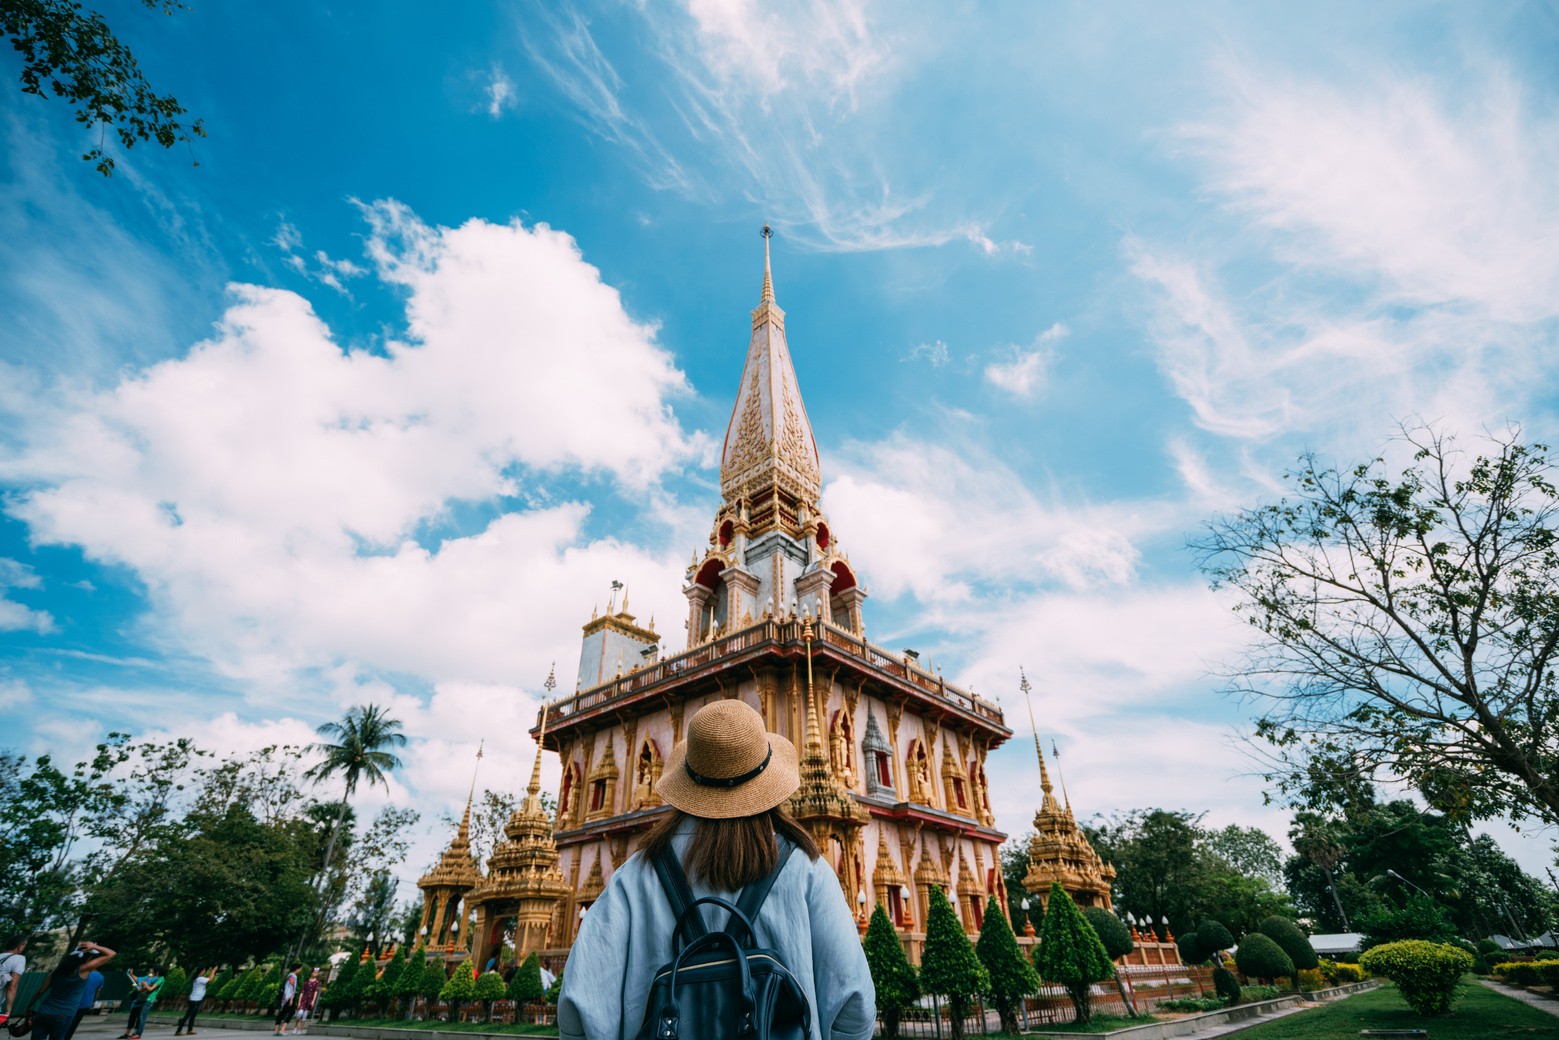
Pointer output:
x,y
674,880
754,894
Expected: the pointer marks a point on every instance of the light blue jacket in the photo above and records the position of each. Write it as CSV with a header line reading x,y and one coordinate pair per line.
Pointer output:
x,y
626,935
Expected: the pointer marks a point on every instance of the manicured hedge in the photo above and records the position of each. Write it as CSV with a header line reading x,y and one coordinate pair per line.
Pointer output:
x,y
1426,973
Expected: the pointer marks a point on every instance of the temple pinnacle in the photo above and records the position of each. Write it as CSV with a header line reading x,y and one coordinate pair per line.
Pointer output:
x,y
1044,775
768,279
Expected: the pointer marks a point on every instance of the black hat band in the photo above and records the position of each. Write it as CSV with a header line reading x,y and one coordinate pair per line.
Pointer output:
x,y
728,781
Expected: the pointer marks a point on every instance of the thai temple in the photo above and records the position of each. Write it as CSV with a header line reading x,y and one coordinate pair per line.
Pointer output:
x,y
892,755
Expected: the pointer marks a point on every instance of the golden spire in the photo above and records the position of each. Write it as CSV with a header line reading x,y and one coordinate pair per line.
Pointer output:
x,y
1044,776
814,733
768,279
465,821
533,790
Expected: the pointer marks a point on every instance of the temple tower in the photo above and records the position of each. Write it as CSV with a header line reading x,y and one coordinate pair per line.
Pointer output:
x,y
892,755
446,885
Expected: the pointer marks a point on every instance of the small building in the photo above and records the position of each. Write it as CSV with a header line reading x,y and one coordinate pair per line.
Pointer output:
x,y
1336,944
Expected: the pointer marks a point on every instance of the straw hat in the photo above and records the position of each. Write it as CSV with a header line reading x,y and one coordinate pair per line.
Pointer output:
x,y
728,766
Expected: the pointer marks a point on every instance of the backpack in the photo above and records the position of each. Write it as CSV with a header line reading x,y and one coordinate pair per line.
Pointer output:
x,y
717,986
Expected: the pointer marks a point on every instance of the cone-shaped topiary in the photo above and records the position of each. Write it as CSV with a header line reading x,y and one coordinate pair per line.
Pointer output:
x,y
175,984
409,985
460,985
218,983
1070,952
268,995
488,988
1012,976
1214,936
358,975
330,996
948,964
434,975
1111,930
248,987
384,990
893,975
525,984
1287,935
1226,985
1261,958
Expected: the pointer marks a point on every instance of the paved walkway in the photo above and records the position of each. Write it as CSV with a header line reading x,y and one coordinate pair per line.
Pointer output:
x,y
1542,1003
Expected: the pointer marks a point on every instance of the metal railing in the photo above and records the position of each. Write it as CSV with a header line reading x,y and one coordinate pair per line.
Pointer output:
x,y
780,633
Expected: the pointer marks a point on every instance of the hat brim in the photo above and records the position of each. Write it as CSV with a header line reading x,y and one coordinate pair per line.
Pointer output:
x,y
760,794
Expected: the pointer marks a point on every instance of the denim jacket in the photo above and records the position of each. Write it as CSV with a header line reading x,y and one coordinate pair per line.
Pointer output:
x,y
626,936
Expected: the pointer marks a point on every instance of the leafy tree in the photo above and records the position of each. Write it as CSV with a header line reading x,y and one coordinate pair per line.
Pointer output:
x,y
1070,952
1250,851
1014,854
525,984
1261,958
1287,935
1409,624
893,975
1421,918
489,987
1011,976
948,964
1158,872
360,751
1314,837
460,985
77,57
1111,930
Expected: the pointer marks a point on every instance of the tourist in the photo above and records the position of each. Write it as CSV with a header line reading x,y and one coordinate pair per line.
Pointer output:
x,y
140,981
725,783
197,997
287,999
12,965
88,998
306,997
150,986
62,993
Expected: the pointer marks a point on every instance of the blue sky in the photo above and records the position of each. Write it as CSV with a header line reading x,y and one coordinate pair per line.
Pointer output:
x,y
437,340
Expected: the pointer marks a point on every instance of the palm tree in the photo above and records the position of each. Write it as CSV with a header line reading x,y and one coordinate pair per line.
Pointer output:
x,y
361,737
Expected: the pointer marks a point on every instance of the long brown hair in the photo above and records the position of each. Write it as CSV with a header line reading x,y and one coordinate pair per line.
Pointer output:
x,y
728,855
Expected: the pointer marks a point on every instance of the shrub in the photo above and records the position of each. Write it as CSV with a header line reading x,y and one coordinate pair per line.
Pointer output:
x,y
489,988
1547,955
1310,980
1287,935
948,964
460,985
336,989
1070,951
433,979
177,984
1191,948
1226,985
525,984
1256,994
1491,949
1521,974
1192,1004
1548,971
384,990
892,973
1261,958
1012,976
248,987
1480,966
409,983
1426,973
556,989
1111,930
268,994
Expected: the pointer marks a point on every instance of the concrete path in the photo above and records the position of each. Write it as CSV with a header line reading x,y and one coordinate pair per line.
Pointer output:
x,y
1542,1003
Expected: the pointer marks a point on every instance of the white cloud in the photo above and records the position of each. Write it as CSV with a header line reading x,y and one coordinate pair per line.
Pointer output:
x,y
935,353
267,486
1417,242
500,93
14,616
1025,372
323,270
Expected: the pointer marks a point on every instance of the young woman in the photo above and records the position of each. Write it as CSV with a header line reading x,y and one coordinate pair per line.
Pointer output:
x,y
287,999
306,997
725,784
197,997
57,1010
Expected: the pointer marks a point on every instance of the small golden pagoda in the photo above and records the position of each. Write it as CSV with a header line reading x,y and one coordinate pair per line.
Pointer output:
x,y
524,888
446,885
1059,851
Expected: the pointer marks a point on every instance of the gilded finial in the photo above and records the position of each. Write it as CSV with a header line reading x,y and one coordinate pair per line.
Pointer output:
x,y
1039,752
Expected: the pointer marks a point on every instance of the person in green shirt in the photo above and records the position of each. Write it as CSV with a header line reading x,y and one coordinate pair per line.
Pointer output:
x,y
149,986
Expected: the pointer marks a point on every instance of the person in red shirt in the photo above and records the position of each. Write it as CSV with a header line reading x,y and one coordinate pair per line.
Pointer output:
x,y
306,998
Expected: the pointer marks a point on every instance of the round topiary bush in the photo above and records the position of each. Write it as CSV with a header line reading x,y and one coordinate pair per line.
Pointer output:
x,y
1261,958
1287,935
1192,951
1214,937
1111,930
1426,973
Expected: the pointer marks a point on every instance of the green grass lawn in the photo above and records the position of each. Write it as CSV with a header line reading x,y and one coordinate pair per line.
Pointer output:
x,y
1481,1014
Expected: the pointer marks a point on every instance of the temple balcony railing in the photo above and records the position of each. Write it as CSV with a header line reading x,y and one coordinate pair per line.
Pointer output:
x,y
779,634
